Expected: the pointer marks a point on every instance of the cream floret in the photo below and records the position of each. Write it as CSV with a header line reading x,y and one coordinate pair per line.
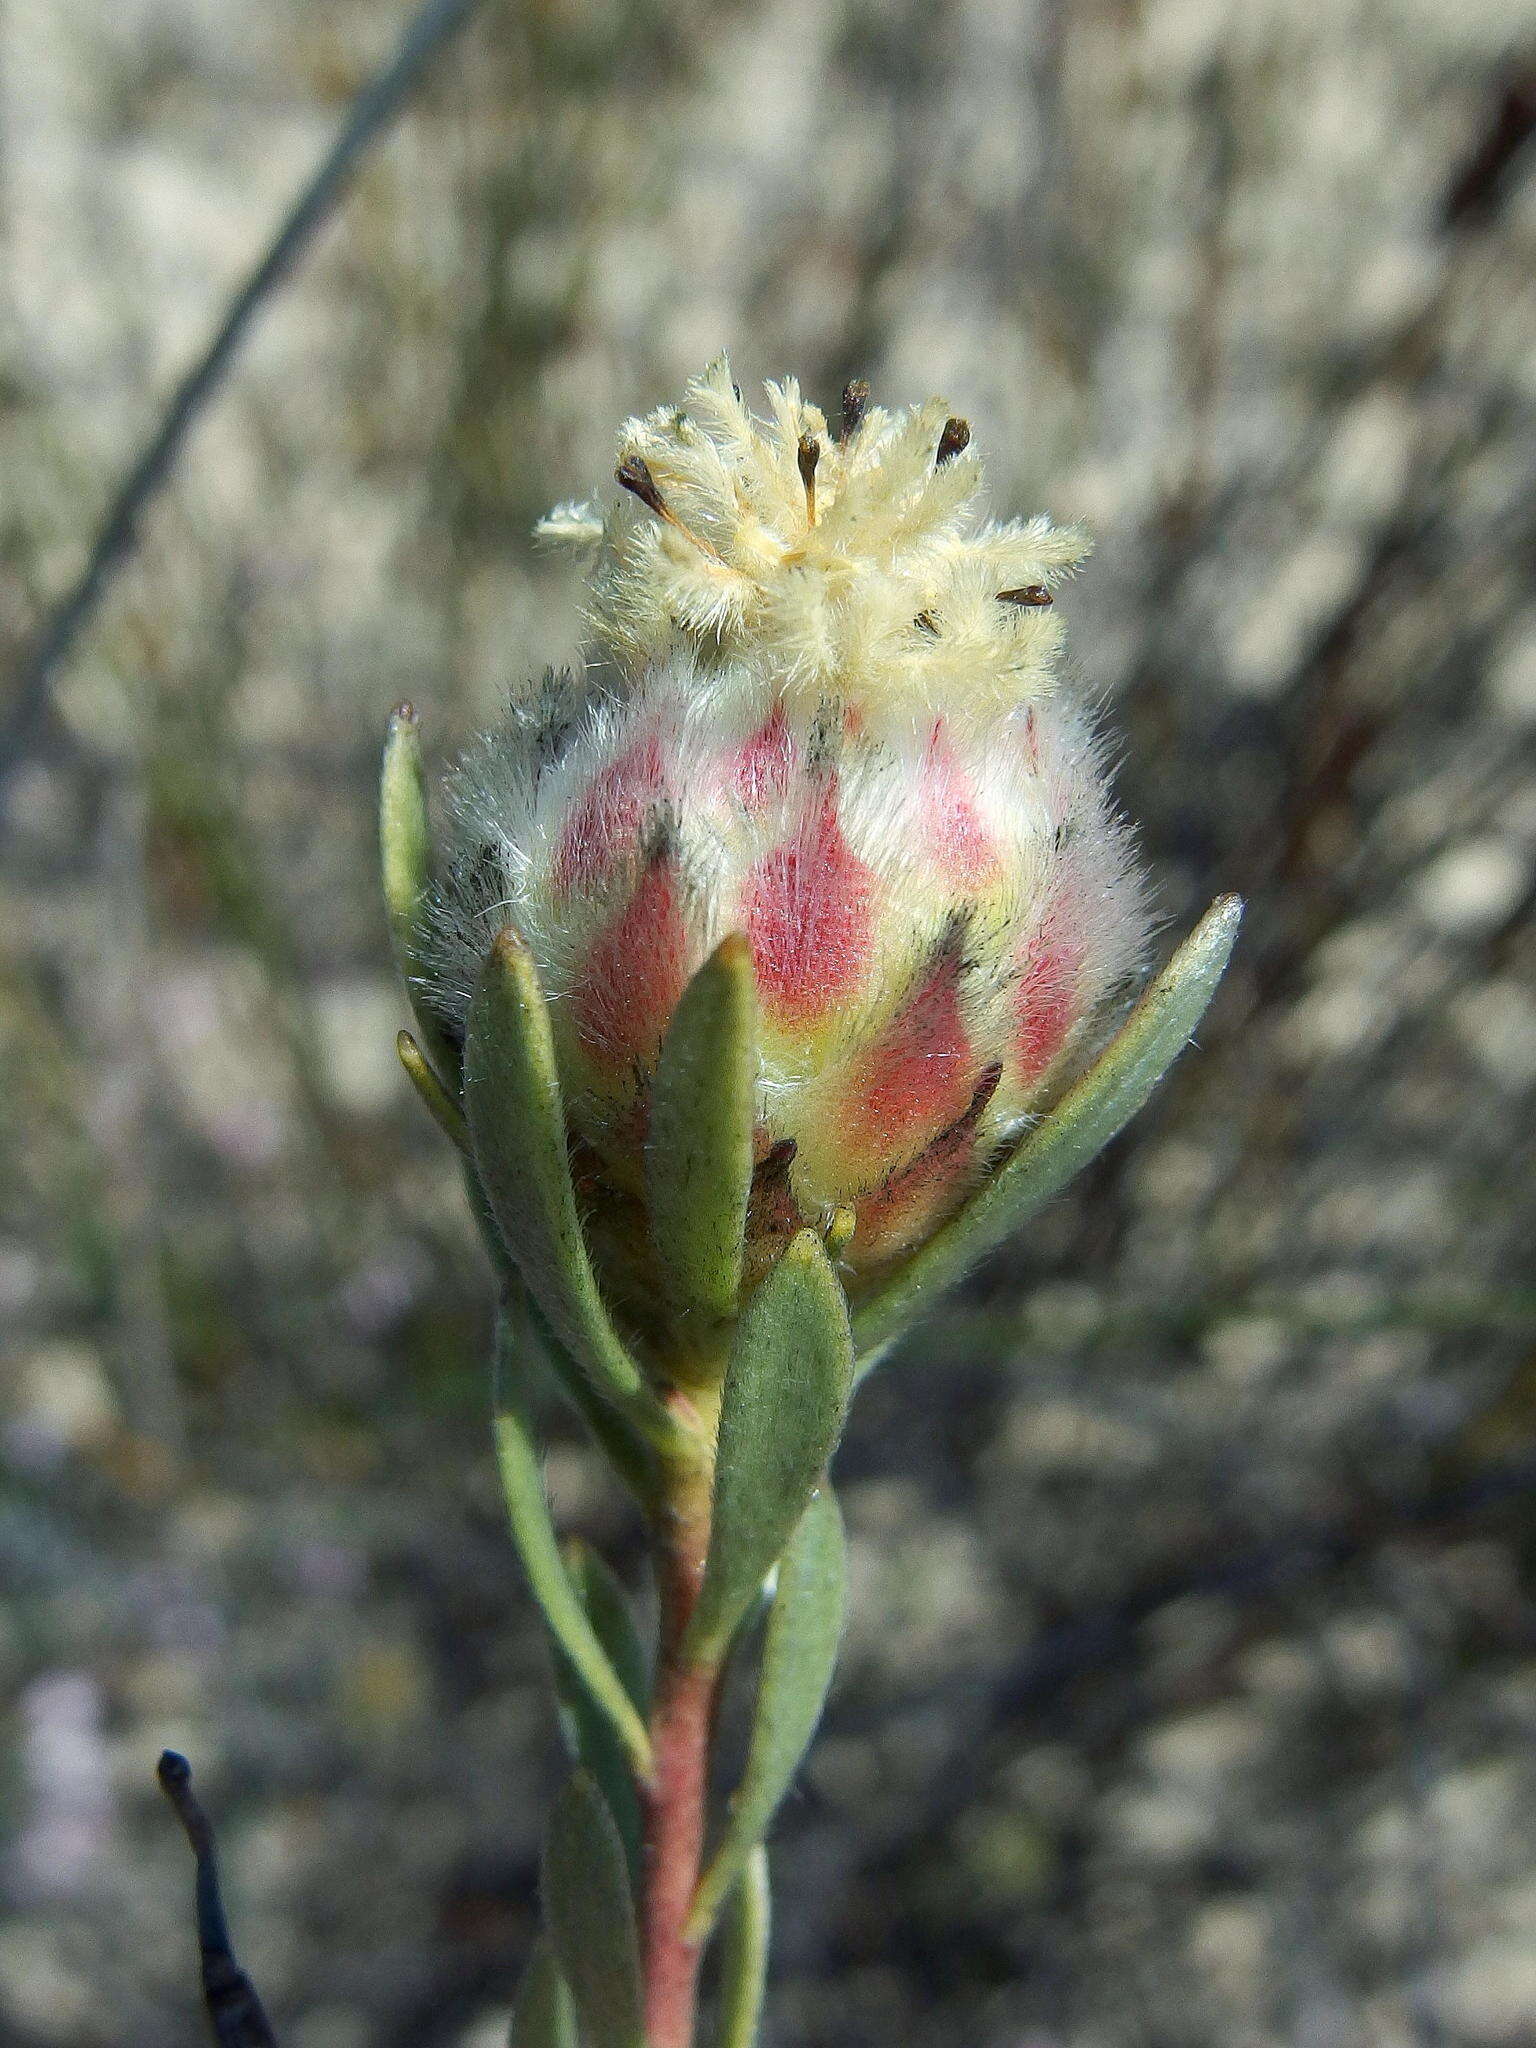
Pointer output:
x,y
847,564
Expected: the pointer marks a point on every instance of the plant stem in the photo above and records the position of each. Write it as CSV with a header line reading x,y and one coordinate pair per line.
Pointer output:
x,y
674,1799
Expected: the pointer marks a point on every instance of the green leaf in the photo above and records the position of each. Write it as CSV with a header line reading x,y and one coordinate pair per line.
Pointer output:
x,y
509,1280
625,1448
405,858
589,1732
744,1958
405,838
533,1532
543,2016
799,1652
699,1148
1092,1112
591,1917
441,1106
517,1125
782,1406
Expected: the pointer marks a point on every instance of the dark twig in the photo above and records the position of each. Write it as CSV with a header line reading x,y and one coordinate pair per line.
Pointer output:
x,y
234,2010
435,23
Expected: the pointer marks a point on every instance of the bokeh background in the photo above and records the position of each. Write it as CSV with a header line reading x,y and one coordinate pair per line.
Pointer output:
x,y
1190,1691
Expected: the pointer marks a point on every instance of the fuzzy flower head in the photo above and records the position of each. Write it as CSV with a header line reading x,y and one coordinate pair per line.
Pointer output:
x,y
821,712
841,566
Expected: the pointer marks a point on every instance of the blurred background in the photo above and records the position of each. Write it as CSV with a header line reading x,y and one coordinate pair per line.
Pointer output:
x,y
1190,1691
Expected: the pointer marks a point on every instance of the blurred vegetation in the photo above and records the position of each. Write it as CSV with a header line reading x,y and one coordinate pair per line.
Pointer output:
x,y
1191,1686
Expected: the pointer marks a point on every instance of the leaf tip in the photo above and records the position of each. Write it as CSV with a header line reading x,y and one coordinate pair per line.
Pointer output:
x,y
839,1228
508,951
1214,937
735,953
806,1257
507,971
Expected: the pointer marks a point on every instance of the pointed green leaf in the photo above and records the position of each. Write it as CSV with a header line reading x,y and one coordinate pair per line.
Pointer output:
x,y
625,1448
1092,1112
405,857
517,1125
589,1732
405,839
543,2016
744,1958
441,1106
613,1618
699,1149
533,1532
591,1917
508,1278
799,1652
781,1413
620,1442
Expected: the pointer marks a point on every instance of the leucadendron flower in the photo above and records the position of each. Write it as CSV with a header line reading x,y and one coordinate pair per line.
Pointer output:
x,y
767,972
823,714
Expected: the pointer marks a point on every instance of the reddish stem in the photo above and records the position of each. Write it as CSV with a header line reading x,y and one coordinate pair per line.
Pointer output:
x,y
674,1802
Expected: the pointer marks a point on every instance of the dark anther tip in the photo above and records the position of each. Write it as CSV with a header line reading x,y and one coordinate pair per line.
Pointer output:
x,y
855,404
954,440
634,473
808,454
925,622
1029,594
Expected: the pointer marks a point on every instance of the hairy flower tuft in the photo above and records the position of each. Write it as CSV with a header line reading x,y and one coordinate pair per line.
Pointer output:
x,y
844,564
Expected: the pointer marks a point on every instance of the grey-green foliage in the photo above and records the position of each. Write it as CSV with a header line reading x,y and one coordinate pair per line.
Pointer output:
x,y
543,2015
589,1729
1092,1112
517,1125
744,1955
533,1532
782,1406
590,1914
626,1447
799,1652
441,1106
405,846
699,1146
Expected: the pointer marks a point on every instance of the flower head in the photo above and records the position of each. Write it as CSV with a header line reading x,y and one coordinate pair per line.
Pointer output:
x,y
823,712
